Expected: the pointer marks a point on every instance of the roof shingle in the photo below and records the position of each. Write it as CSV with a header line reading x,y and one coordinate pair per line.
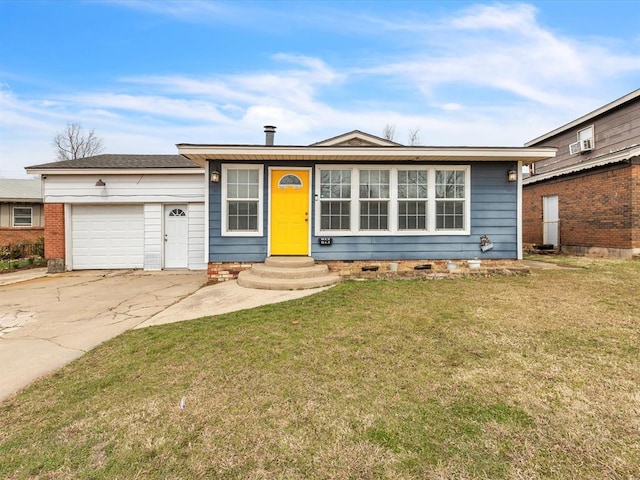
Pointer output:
x,y
121,161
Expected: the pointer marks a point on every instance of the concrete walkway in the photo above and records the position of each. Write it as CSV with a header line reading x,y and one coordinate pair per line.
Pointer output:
x,y
46,321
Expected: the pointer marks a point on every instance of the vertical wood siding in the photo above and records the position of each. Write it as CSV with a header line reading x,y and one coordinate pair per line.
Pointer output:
x,y
153,236
196,237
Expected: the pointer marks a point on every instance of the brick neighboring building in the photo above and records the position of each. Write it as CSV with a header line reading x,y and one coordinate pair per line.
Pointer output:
x,y
586,200
21,211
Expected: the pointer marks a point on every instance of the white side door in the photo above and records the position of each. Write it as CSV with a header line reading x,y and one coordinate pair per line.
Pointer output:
x,y
550,221
176,236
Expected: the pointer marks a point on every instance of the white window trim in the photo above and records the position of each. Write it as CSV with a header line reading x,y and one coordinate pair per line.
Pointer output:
x,y
13,218
223,199
589,133
393,202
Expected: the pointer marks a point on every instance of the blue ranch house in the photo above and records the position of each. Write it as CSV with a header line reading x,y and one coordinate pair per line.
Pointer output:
x,y
360,198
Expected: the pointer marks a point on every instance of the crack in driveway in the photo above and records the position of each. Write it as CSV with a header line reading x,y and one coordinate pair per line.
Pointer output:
x,y
49,321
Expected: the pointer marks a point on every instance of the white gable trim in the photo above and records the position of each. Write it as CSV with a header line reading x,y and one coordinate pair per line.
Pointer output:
x,y
356,135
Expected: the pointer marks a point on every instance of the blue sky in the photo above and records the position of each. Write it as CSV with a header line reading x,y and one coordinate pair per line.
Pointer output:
x,y
149,74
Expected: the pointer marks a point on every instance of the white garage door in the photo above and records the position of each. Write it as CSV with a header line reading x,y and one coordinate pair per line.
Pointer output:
x,y
107,236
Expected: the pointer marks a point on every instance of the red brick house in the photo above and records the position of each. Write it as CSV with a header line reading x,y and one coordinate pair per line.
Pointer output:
x,y
21,211
586,200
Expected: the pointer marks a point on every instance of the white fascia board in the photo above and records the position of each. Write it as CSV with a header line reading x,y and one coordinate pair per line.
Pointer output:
x,y
115,171
354,153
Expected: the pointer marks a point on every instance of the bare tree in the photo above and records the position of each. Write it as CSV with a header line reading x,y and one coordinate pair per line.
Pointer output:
x,y
414,137
74,142
389,131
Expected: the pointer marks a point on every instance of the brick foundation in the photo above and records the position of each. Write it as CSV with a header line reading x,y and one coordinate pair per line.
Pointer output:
x,y
224,271
407,268
54,238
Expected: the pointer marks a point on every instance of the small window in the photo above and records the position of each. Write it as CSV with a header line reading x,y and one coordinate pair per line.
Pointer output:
x,y
290,181
242,200
177,212
586,140
22,216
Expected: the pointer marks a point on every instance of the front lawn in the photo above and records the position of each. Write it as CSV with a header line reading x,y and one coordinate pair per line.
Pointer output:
x,y
530,377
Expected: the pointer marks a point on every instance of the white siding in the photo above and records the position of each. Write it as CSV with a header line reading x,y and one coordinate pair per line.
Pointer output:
x,y
153,236
197,259
146,192
140,188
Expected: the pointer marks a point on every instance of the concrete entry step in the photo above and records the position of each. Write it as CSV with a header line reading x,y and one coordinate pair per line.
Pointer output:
x,y
289,262
287,273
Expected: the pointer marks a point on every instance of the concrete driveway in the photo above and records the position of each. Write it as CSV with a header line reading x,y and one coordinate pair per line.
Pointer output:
x,y
46,322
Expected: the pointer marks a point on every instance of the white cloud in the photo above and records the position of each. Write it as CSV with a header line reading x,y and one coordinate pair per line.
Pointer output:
x,y
506,17
502,47
491,75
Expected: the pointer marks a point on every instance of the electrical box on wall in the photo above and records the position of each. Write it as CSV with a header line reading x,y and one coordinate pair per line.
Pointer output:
x,y
325,240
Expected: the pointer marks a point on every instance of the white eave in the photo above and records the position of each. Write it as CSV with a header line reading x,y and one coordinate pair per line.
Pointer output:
x,y
599,161
116,171
249,153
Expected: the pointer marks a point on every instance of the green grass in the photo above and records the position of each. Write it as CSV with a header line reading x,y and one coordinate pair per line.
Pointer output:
x,y
503,377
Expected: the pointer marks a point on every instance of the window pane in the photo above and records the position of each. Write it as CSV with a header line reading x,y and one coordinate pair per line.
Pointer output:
x,y
412,215
450,215
335,216
232,191
242,216
450,184
335,184
252,191
412,184
22,216
374,216
243,183
374,183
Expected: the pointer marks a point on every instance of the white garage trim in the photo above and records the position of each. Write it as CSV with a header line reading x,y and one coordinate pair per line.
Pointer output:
x,y
107,236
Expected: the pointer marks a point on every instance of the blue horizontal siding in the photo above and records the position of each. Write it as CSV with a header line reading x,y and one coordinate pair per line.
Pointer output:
x,y
493,213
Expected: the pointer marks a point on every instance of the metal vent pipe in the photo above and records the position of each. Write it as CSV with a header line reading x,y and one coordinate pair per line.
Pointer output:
x,y
270,132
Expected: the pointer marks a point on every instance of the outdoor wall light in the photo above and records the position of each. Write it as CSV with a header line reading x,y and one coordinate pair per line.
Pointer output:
x,y
100,183
215,176
512,175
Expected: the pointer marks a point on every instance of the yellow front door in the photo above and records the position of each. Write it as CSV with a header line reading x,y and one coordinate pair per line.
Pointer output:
x,y
289,212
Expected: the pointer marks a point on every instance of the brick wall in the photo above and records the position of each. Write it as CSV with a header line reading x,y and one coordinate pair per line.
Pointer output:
x,y
54,231
598,209
20,235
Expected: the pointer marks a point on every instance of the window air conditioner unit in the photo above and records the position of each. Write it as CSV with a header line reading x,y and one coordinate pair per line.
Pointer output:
x,y
586,145
574,148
